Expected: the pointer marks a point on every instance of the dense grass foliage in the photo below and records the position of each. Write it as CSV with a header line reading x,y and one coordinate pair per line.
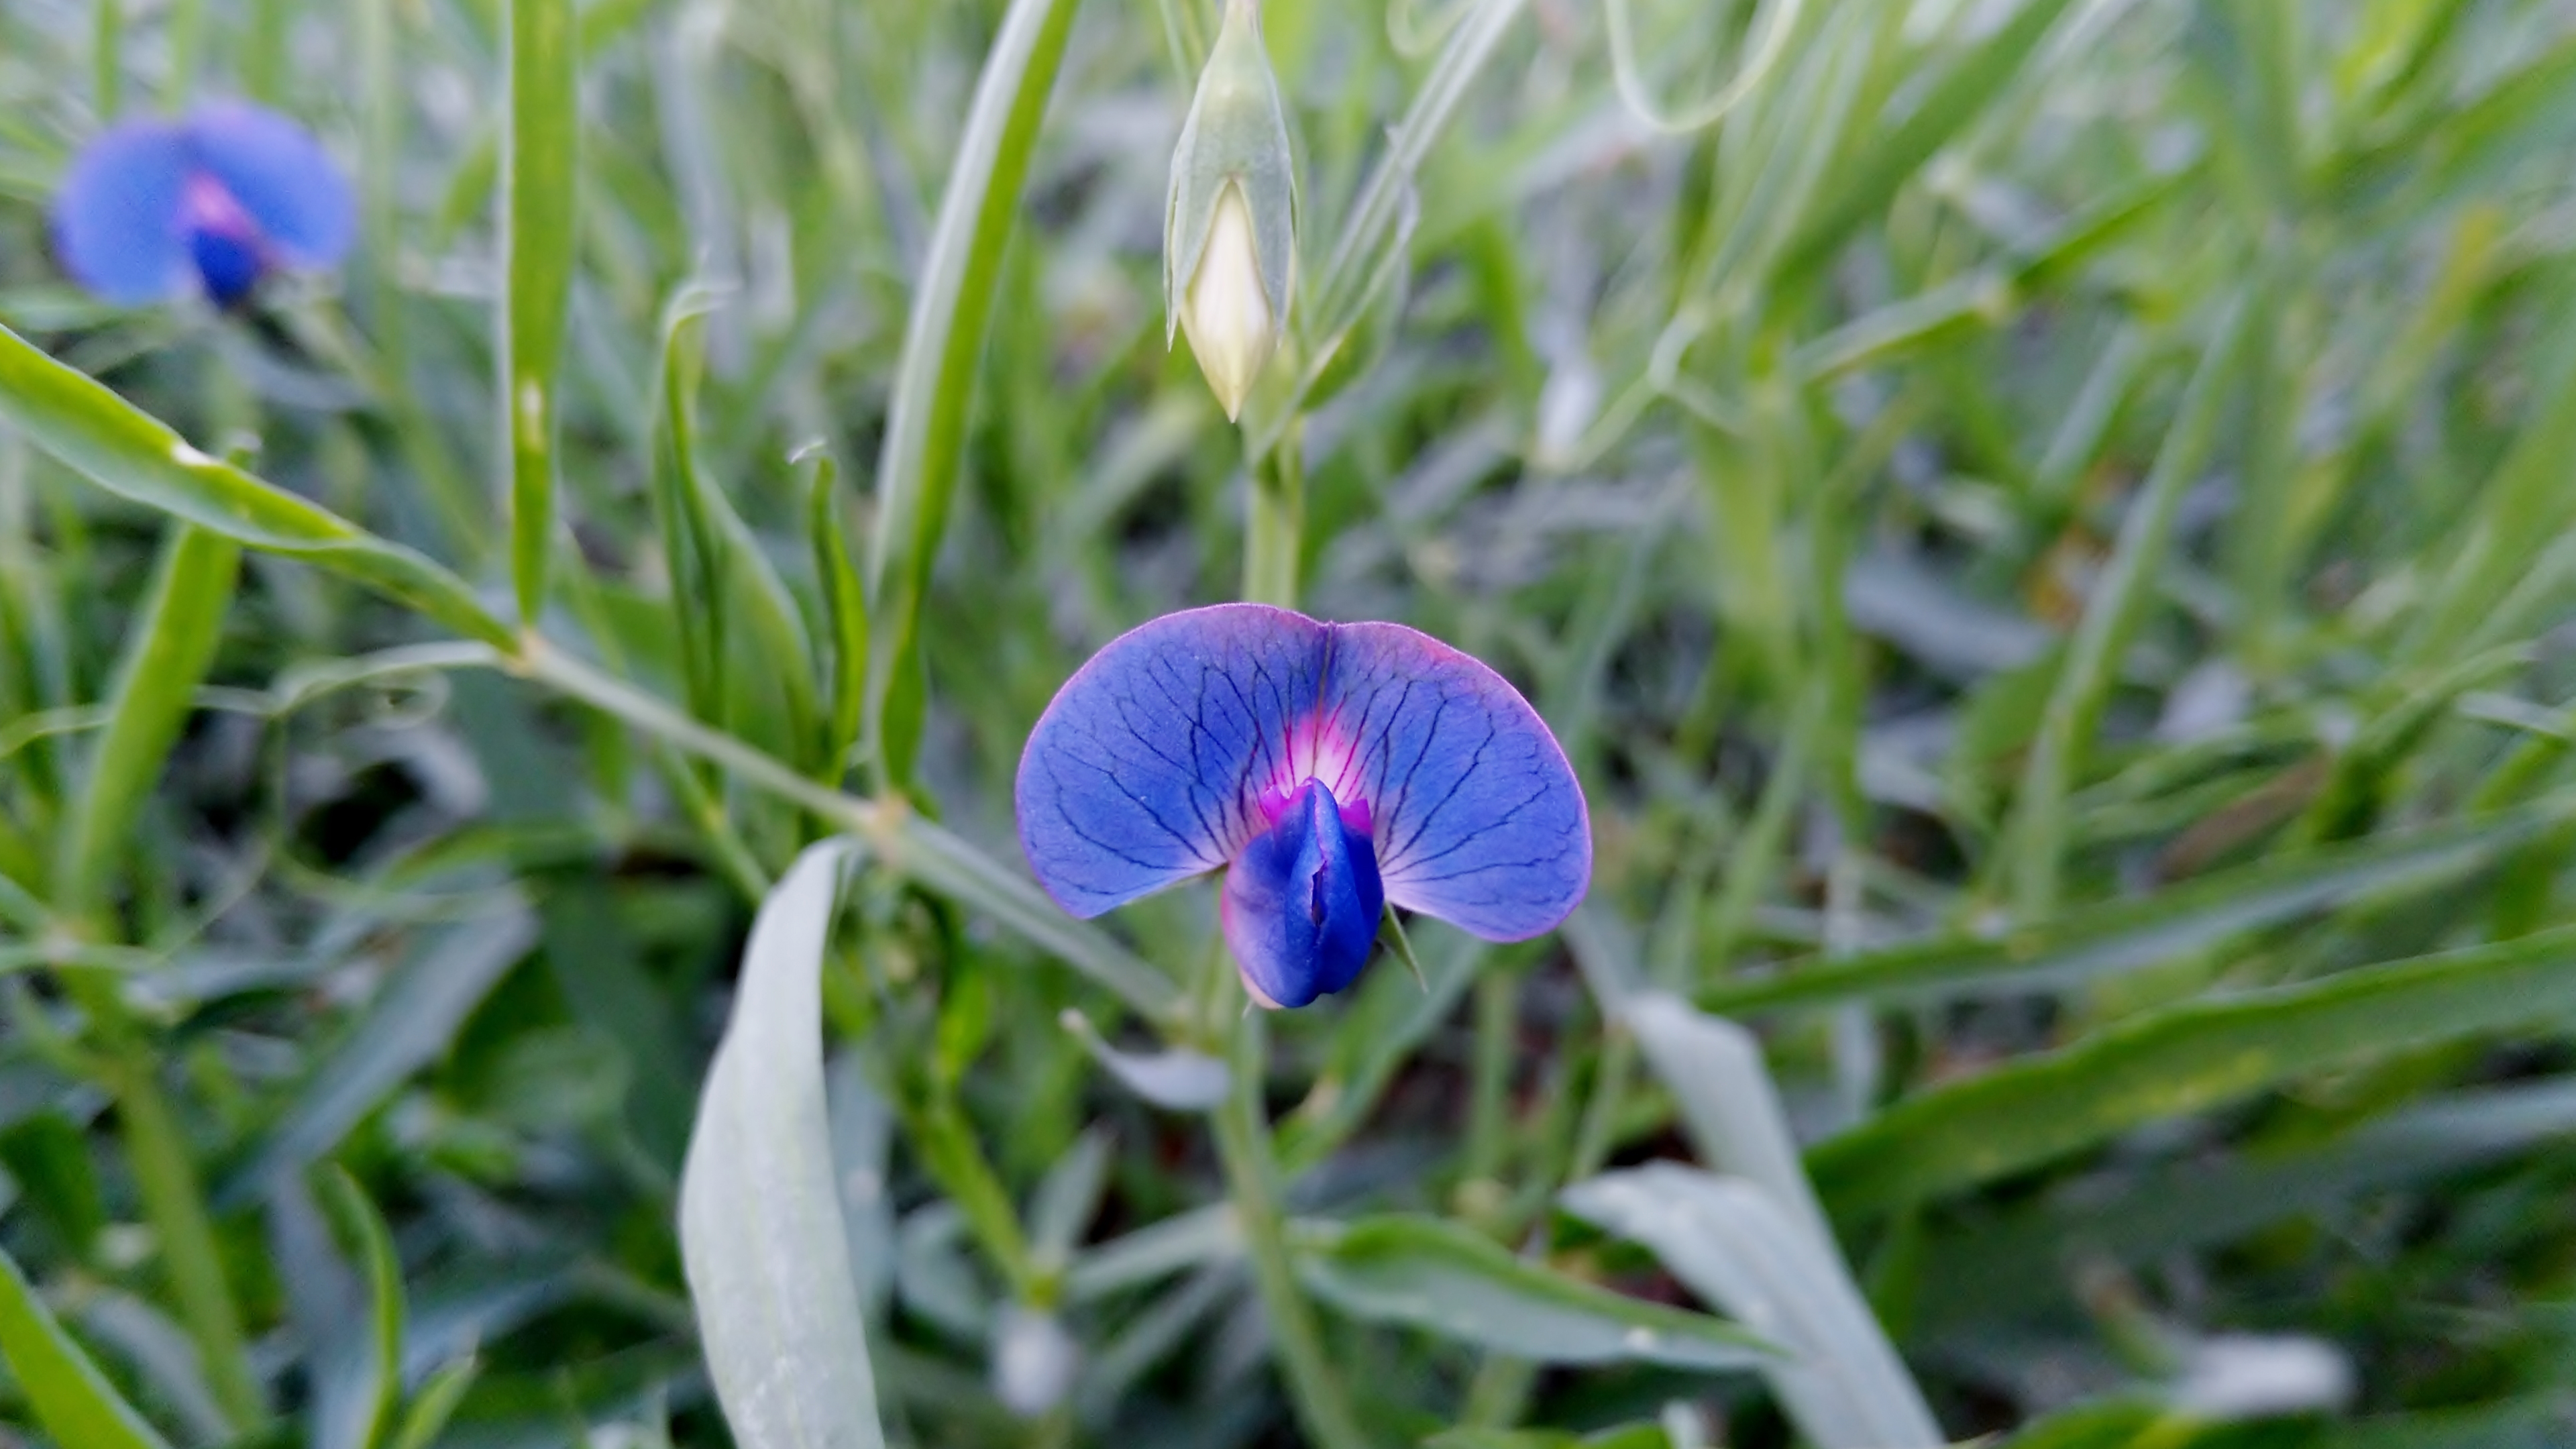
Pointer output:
x,y
2046,528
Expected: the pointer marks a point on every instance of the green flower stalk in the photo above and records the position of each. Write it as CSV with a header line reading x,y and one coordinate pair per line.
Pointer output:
x,y
1230,219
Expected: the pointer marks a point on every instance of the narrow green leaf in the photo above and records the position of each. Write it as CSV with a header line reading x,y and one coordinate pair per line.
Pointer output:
x,y
539,185
1626,1436
1982,1273
1962,93
404,1029
374,1363
2184,1059
760,1214
679,510
934,387
139,458
167,652
2130,934
1729,1107
721,580
845,622
107,58
1434,1275
73,1400
1734,1245
2112,615
435,1404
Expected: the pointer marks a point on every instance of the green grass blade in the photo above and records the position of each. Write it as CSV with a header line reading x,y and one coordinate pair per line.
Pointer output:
x,y
167,652
73,1400
934,386
2183,1059
760,1214
139,458
1963,93
727,600
375,1364
2036,840
407,1027
1736,1247
845,619
2129,935
538,191
2192,1206
1435,1275
430,1409
1729,1108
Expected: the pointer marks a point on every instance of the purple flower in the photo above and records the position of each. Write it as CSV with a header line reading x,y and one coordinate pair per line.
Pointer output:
x,y
216,199
1331,767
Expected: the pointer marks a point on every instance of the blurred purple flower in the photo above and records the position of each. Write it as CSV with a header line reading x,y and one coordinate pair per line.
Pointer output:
x,y
1330,767
216,199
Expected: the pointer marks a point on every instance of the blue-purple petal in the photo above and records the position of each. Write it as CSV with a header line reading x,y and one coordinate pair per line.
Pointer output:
x,y
1479,820
1173,749
1302,903
1142,772
117,221
281,176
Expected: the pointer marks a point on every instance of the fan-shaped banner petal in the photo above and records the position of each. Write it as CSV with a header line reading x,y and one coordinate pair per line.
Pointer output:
x,y
1479,820
1184,739
117,221
1142,772
281,176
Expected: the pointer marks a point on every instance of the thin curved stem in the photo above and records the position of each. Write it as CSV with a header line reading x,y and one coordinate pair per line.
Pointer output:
x,y
1243,1143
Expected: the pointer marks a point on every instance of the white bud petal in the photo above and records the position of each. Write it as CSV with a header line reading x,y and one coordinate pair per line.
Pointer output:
x,y
1228,317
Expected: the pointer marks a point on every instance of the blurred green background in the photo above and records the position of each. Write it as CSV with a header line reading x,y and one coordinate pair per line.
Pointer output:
x,y
2044,526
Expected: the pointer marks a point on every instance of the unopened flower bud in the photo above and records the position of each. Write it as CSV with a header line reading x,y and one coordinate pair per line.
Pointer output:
x,y
1230,220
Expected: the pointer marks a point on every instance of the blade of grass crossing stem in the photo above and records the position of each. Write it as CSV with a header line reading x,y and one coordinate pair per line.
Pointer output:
x,y
934,389
2183,1059
942,862
538,191
2131,934
760,1214
365,1406
166,658
2036,840
73,1401
138,458
845,618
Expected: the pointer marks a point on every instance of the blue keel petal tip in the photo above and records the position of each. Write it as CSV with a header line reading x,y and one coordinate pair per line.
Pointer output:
x,y
1302,903
1334,766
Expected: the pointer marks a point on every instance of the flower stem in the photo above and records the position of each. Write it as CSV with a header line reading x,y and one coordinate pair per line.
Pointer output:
x,y
1243,1142
1275,523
